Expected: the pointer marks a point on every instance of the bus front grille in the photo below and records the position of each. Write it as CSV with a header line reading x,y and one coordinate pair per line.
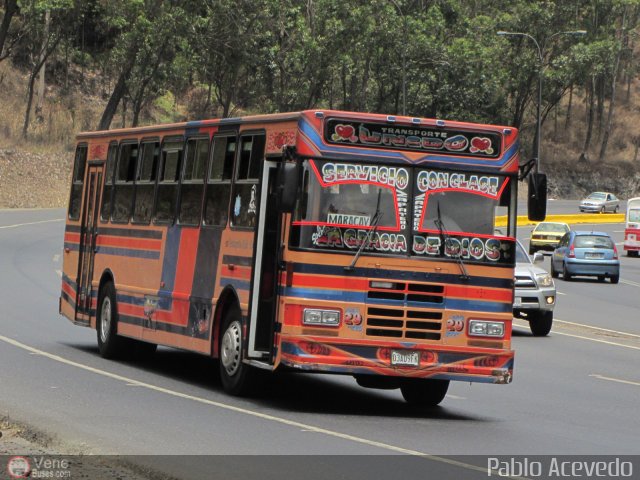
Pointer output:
x,y
395,310
403,323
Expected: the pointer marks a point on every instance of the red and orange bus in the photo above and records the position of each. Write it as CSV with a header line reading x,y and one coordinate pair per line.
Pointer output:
x,y
319,241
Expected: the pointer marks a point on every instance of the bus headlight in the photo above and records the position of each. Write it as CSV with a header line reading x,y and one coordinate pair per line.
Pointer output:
x,y
313,316
544,279
481,328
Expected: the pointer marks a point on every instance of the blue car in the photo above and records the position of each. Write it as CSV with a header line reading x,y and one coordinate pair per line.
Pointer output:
x,y
586,253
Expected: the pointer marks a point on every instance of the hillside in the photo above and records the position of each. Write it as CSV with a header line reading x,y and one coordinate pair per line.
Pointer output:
x,y
35,172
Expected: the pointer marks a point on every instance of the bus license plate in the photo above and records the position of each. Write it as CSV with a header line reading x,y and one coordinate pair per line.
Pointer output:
x,y
404,358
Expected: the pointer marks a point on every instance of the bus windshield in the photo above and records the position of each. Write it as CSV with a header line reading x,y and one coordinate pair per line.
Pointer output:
x,y
338,203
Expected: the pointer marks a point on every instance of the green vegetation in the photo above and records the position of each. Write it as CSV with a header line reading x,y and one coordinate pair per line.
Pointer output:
x,y
114,63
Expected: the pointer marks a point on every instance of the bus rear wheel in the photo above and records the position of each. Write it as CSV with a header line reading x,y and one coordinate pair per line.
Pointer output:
x,y
424,392
109,343
237,377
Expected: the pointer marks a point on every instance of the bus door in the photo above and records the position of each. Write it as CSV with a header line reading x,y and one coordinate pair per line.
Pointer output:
x,y
88,235
262,311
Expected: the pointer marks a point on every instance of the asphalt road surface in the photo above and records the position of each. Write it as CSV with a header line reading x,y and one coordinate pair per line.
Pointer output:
x,y
576,391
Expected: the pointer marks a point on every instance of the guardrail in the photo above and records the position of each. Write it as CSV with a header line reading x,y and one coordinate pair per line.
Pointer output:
x,y
571,219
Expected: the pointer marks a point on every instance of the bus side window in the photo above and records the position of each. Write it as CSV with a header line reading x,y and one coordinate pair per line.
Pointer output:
x,y
192,186
124,182
146,182
167,191
216,209
79,164
105,210
244,208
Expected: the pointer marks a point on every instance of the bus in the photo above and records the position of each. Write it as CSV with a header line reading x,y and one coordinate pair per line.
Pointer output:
x,y
632,228
314,241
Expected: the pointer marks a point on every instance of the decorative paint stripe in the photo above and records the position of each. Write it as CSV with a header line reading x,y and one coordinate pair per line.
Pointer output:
x,y
204,275
67,280
237,260
164,303
72,246
72,237
127,252
343,296
312,134
403,275
67,298
164,327
237,284
143,244
69,291
362,284
169,262
241,273
186,260
506,158
130,232
344,152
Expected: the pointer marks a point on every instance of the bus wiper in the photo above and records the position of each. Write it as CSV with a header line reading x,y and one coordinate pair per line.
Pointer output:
x,y
374,226
444,236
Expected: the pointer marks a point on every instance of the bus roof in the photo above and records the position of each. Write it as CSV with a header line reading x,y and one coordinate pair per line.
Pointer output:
x,y
293,116
360,137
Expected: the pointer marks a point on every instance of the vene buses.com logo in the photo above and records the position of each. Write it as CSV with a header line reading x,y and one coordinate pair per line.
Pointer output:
x,y
18,467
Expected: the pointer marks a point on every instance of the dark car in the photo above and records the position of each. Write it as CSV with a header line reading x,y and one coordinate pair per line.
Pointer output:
x,y
586,253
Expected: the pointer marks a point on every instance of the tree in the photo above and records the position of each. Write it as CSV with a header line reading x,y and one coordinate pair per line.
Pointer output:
x,y
48,21
10,10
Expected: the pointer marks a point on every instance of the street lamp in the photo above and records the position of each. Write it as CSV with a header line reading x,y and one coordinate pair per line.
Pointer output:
x,y
404,58
536,145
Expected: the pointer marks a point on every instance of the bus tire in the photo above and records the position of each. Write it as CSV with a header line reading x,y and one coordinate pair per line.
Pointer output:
x,y
237,378
424,392
109,343
540,323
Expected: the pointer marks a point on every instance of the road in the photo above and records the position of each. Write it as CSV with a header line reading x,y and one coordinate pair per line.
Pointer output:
x,y
574,392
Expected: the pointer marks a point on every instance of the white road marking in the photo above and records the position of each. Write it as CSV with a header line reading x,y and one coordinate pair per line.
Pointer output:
x,y
560,293
59,272
596,340
56,257
618,231
617,380
264,416
596,328
629,282
455,397
32,223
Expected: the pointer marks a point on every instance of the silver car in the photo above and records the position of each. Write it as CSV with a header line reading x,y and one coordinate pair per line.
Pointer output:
x,y
600,202
535,293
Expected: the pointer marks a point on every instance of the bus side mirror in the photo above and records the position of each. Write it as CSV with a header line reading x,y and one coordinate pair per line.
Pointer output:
x,y
288,176
537,197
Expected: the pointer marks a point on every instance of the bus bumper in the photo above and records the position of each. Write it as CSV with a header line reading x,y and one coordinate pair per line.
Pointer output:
x,y
433,361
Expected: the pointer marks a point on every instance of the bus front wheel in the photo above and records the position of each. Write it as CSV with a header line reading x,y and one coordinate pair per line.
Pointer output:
x,y
237,377
424,392
109,343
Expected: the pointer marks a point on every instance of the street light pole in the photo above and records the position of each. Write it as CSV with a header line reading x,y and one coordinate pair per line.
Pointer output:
x,y
536,144
404,59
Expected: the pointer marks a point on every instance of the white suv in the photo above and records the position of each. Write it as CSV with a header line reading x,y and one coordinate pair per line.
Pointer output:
x,y
535,293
